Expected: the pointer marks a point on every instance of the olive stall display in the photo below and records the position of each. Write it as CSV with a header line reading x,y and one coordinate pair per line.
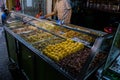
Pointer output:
x,y
28,32
51,27
64,32
60,50
75,62
42,44
88,30
72,34
36,35
66,55
24,29
59,47
17,24
43,24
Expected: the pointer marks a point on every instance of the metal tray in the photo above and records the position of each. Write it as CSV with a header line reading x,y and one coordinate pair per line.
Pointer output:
x,y
88,30
34,36
25,29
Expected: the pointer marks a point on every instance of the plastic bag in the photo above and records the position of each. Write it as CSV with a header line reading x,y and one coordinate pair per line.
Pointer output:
x,y
1,31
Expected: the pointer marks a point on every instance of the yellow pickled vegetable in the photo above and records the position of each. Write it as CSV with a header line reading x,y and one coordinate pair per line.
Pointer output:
x,y
60,50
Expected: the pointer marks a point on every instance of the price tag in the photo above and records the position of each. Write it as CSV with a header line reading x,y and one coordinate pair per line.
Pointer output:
x,y
76,39
10,22
61,32
79,40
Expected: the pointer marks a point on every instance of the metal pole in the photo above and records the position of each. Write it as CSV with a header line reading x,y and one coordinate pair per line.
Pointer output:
x,y
22,5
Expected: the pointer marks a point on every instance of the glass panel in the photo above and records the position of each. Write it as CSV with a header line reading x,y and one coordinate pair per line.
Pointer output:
x,y
11,47
26,61
42,69
115,49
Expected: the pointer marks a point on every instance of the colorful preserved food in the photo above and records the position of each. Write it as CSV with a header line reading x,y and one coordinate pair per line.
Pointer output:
x,y
60,50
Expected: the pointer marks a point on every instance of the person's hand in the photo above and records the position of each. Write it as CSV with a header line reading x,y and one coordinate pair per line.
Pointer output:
x,y
59,22
42,17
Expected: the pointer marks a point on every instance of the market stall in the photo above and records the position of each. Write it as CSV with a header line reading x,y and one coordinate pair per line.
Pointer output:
x,y
44,50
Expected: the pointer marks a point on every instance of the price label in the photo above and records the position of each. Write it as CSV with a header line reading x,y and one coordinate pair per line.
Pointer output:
x,y
61,32
79,40
76,39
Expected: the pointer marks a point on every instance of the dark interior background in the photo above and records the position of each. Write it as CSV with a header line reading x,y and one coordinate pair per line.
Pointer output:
x,y
95,14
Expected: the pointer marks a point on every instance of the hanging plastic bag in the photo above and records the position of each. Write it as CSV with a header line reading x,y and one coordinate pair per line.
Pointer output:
x,y
1,31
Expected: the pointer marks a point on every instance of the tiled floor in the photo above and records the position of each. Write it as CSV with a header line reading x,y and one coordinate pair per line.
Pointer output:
x,y
4,72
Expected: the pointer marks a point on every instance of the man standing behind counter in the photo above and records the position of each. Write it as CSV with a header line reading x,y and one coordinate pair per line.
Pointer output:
x,y
4,16
63,11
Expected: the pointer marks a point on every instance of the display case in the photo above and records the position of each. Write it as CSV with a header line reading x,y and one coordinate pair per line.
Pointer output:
x,y
77,33
44,48
112,66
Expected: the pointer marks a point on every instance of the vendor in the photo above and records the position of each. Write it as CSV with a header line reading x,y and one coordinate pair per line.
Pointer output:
x,y
63,11
4,16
